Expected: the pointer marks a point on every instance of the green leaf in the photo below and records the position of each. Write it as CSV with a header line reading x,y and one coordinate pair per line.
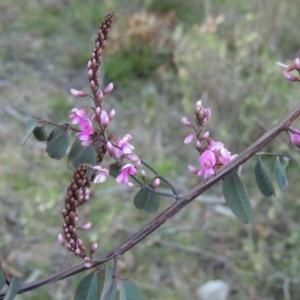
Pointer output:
x,y
285,162
280,174
88,288
75,150
109,271
30,124
2,278
130,291
13,288
146,200
237,198
56,132
57,147
263,181
40,134
114,170
87,155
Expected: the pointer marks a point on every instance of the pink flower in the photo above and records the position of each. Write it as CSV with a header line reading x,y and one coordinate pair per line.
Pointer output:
x,y
214,146
295,138
77,115
126,170
224,157
103,173
125,147
87,129
207,161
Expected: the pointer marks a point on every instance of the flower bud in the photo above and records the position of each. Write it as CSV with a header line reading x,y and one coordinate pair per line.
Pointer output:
x,y
61,240
78,93
86,226
144,175
108,89
155,183
288,76
297,63
186,122
111,114
94,248
87,263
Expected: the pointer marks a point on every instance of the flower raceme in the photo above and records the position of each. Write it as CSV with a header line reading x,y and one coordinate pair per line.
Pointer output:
x,y
214,154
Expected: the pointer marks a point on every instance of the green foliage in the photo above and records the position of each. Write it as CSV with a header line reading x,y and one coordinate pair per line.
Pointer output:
x,y
13,288
262,179
146,200
79,155
107,284
88,288
183,9
137,62
129,291
2,278
40,134
114,170
236,197
280,174
30,124
57,143
228,69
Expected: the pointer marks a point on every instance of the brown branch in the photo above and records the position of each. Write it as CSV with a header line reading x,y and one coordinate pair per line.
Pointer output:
x,y
183,200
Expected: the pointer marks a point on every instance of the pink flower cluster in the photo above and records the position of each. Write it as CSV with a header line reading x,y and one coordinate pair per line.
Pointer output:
x,y
212,156
116,147
289,68
121,149
79,116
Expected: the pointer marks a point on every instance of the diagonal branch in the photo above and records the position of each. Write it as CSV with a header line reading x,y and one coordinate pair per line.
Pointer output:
x,y
183,200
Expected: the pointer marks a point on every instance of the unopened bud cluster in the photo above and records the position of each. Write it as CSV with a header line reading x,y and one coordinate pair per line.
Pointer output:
x,y
96,57
77,194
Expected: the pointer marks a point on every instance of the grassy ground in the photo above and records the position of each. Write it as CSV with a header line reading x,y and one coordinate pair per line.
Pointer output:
x,y
162,56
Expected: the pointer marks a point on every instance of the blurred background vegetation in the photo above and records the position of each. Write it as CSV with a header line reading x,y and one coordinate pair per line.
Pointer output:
x,y
162,56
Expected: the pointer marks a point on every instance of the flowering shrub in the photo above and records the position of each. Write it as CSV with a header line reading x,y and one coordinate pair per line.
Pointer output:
x,y
96,154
